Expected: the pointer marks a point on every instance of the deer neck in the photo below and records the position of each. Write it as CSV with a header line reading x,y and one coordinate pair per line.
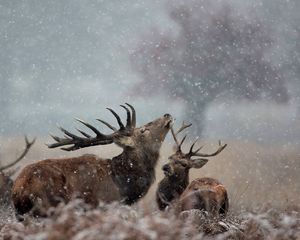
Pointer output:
x,y
133,172
179,182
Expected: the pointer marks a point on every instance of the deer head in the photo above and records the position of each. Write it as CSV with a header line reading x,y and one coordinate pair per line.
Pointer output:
x,y
180,163
126,136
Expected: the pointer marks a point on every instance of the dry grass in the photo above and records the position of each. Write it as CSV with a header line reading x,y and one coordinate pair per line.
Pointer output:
x,y
76,221
263,184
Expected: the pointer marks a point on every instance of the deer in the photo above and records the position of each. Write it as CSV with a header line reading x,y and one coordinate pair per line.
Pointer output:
x,y
6,181
125,178
174,189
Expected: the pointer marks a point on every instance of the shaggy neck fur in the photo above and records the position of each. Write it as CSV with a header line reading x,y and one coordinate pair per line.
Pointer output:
x,y
170,188
133,172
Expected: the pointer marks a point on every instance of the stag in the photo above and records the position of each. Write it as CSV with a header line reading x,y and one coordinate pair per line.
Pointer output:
x,y
202,193
5,176
125,178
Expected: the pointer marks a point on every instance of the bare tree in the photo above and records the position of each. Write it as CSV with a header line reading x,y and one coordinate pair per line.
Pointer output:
x,y
216,53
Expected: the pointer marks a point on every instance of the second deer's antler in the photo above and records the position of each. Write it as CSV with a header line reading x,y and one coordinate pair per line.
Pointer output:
x,y
27,147
174,134
196,153
192,153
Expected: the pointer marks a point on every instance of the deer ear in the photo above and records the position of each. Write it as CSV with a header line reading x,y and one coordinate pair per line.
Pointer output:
x,y
199,162
126,141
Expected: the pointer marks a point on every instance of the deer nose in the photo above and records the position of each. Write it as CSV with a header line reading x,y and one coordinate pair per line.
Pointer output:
x,y
167,115
166,168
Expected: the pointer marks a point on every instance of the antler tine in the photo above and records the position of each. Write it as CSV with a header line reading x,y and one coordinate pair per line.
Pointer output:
x,y
191,148
117,117
220,149
59,141
27,140
95,130
28,143
183,126
133,116
27,147
68,134
128,120
107,124
198,149
174,137
84,133
179,147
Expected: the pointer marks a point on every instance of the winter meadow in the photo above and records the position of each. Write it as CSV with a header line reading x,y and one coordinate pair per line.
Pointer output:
x,y
140,171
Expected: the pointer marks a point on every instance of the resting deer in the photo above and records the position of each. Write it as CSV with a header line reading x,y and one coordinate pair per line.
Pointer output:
x,y
202,193
5,176
126,177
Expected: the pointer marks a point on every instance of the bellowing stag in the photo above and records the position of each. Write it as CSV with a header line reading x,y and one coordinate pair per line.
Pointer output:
x,y
5,176
202,193
125,178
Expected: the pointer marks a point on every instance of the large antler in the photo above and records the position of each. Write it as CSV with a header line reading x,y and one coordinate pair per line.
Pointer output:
x,y
100,138
27,147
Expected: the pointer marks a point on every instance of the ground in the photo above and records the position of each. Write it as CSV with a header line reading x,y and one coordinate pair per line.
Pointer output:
x,y
264,191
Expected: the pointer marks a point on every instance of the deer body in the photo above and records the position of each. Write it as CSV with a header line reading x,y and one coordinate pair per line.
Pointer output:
x,y
203,193
206,194
126,177
170,188
48,182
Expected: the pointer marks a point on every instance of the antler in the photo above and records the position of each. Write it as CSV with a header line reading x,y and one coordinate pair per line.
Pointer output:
x,y
27,147
100,138
183,126
192,153
195,153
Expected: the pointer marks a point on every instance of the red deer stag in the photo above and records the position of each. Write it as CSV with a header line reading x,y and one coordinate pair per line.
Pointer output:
x,y
5,176
126,177
202,193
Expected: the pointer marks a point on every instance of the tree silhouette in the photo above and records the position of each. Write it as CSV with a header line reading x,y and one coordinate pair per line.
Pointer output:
x,y
216,53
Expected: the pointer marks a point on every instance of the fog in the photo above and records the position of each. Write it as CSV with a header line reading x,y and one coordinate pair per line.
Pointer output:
x,y
66,59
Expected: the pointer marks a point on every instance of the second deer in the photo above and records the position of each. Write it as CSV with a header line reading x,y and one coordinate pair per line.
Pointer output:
x,y
206,194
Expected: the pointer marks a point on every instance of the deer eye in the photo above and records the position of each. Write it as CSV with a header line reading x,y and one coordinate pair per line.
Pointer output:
x,y
181,163
144,130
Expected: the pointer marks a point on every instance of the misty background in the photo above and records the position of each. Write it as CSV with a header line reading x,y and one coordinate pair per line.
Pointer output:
x,y
66,59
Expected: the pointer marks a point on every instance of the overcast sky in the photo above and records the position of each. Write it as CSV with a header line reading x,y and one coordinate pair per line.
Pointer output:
x,y
66,59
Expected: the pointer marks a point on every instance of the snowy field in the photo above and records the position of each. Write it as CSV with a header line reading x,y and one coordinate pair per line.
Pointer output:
x,y
229,67
264,191
77,221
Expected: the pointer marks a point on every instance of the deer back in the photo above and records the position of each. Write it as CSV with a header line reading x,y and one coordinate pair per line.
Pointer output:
x,y
206,194
48,182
